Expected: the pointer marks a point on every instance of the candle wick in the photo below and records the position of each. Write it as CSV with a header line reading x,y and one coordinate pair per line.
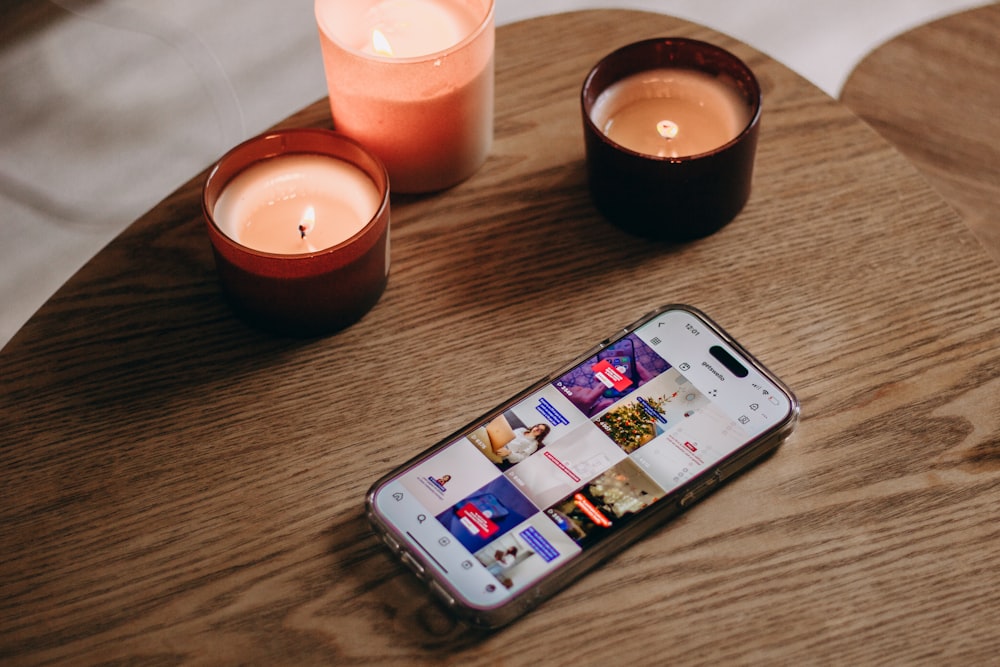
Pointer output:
x,y
667,129
302,230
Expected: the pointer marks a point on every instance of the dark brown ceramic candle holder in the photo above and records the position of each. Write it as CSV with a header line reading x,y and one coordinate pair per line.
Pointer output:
x,y
651,189
309,293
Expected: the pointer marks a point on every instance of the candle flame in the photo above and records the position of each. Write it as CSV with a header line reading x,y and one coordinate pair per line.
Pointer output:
x,y
667,129
380,44
308,221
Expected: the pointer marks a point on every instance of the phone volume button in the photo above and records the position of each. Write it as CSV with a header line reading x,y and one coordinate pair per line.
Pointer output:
x,y
439,591
700,491
391,543
412,563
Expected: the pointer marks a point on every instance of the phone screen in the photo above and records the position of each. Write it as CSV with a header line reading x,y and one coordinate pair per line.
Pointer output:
x,y
523,492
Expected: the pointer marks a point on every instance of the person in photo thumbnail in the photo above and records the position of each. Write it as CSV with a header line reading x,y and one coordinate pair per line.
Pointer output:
x,y
505,559
526,553
525,443
506,440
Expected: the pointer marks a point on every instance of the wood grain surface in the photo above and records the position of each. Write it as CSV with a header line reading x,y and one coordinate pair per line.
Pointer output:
x,y
180,488
933,93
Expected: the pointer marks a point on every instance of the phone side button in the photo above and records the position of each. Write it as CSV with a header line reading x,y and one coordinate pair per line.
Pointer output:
x,y
696,494
391,543
412,563
439,591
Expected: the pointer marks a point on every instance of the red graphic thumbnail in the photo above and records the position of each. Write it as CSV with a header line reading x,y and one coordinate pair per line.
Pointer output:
x,y
475,521
592,512
609,376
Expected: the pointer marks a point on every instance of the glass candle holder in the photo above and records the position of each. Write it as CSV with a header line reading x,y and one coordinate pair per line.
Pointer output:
x,y
670,131
299,225
413,81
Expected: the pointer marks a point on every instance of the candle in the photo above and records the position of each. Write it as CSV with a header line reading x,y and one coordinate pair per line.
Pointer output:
x,y
670,112
412,80
670,132
299,226
296,204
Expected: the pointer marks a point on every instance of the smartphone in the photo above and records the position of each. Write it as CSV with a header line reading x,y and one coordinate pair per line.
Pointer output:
x,y
493,534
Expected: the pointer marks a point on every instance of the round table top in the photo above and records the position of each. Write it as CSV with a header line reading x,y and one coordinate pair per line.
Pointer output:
x,y
178,486
933,93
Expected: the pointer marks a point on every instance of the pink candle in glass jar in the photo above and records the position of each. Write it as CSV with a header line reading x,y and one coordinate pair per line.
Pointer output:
x,y
412,80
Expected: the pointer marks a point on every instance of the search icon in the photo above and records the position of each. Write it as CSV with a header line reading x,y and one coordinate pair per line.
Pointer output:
x,y
421,518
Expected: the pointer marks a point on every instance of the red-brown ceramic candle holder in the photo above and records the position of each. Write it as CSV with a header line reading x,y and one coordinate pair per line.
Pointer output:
x,y
642,176
300,289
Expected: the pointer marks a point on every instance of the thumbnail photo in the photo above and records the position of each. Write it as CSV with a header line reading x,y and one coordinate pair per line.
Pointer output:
x,y
616,371
609,501
691,448
660,405
525,429
488,513
440,481
525,554
558,470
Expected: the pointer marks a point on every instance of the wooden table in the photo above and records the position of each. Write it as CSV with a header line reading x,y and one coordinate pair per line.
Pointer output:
x,y
178,487
933,92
